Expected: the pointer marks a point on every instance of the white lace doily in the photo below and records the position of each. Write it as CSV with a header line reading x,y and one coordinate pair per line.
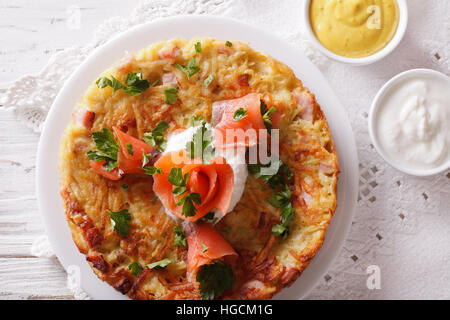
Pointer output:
x,y
401,222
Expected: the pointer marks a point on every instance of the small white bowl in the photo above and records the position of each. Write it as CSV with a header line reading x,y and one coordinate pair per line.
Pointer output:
x,y
373,115
395,41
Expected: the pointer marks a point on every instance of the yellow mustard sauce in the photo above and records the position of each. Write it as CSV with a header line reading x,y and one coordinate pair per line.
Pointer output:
x,y
354,28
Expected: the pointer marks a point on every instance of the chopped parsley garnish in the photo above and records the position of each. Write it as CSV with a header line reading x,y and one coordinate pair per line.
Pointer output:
x,y
145,158
198,47
228,43
134,84
214,279
208,80
205,248
210,217
286,217
105,82
161,264
107,149
201,144
130,149
187,199
176,178
179,240
281,176
191,68
156,138
239,114
150,170
282,200
120,221
171,95
125,187
135,268
155,83
194,120
266,114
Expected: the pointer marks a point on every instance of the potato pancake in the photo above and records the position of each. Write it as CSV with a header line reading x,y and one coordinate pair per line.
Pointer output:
x,y
223,70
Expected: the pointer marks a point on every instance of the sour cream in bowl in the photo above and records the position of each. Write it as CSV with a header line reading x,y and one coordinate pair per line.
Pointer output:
x,y
409,122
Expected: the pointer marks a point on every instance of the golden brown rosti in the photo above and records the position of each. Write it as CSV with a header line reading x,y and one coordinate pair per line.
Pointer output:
x,y
266,263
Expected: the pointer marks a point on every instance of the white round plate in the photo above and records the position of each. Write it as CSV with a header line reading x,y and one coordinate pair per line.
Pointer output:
x,y
187,27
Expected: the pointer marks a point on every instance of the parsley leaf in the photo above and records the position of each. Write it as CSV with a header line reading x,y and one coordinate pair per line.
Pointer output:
x,y
176,178
205,248
201,144
282,200
107,149
134,84
187,199
189,209
104,82
210,217
208,80
228,43
282,175
152,170
286,217
145,158
179,238
156,138
194,120
135,268
125,187
214,279
278,230
161,264
171,95
130,149
266,114
198,47
240,114
191,68
120,221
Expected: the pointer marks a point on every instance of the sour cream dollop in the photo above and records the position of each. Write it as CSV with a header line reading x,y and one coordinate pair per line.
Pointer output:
x,y
235,158
413,123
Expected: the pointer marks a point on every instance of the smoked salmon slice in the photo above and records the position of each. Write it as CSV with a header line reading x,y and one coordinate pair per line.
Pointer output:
x,y
213,181
114,174
137,146
131,150
205,245
229,132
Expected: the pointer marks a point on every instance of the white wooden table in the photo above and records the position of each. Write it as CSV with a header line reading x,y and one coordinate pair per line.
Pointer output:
x,y
30,32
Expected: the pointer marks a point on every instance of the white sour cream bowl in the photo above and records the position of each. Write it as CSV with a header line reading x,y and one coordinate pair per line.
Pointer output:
x,y
409,122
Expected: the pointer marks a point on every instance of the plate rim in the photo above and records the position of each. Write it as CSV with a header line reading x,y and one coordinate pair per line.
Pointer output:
x,y
348,177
